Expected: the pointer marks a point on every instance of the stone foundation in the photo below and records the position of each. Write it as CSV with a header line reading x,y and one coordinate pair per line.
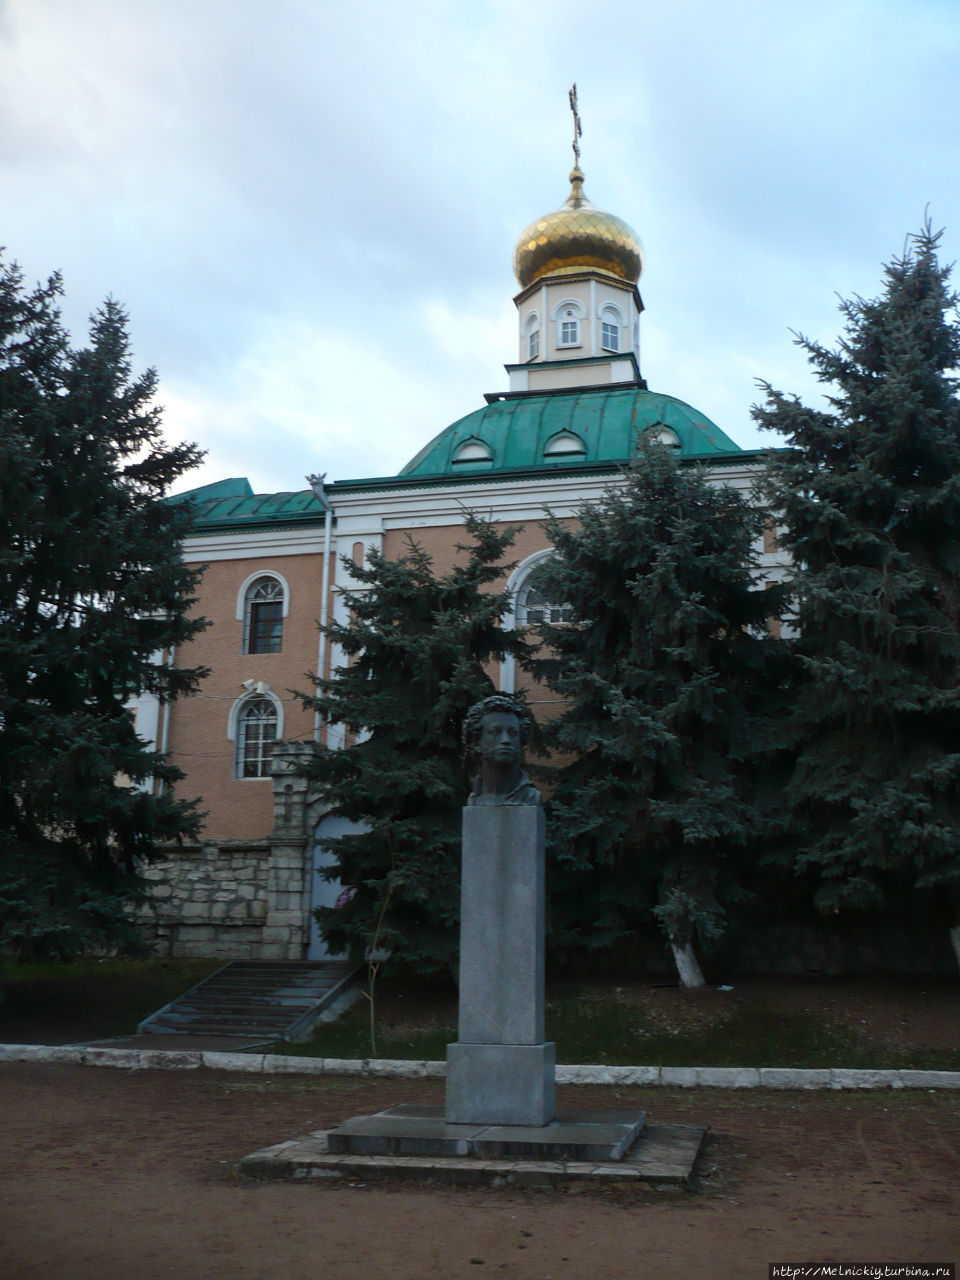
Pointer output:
x,y
240,899
243,900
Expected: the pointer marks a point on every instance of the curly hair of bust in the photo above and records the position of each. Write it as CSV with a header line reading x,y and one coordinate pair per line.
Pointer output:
x,y
497,702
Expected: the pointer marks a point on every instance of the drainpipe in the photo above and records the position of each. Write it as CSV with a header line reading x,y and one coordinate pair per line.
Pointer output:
x,y
165,723
316,484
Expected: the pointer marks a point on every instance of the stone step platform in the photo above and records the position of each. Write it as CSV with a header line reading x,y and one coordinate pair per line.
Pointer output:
x,y
410,1130
663,1158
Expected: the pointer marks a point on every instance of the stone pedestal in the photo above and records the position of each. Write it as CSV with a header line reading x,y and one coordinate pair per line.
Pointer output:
x,y
501,1071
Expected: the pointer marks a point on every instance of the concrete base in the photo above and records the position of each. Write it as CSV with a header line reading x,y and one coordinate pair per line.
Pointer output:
x,y
500,1083
663,1158
410,1130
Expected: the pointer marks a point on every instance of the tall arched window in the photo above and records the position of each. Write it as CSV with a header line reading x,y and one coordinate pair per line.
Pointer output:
x,y
534,606
256,735
263,616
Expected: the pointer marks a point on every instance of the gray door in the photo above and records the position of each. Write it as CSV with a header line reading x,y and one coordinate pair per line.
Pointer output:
x,y
324,893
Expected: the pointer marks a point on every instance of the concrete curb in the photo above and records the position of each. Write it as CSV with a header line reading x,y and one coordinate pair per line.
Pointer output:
x,y
287,1064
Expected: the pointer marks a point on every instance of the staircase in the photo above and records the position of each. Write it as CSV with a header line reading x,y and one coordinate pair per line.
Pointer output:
x,y
262,1000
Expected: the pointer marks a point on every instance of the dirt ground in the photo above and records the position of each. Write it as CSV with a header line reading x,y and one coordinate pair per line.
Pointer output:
x,y
131,1176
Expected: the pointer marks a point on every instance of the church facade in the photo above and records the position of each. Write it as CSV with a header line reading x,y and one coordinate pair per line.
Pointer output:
x,y
557,437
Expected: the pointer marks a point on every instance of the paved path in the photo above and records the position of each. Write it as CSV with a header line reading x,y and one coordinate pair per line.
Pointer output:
x,y
131,1174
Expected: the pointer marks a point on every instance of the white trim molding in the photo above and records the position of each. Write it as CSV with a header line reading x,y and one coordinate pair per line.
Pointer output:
x,y
508,667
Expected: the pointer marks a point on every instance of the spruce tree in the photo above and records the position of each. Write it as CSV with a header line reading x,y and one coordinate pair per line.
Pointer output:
x,y
870,498
668,676
419,645
92,589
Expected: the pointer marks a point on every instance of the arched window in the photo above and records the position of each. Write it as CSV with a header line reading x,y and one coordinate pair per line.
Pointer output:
x,y
610,322
534,606
257,721
568,315
570,331
532,336
263,616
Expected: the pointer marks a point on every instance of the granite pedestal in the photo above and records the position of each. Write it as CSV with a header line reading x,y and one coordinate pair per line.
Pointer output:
x,y
501,1070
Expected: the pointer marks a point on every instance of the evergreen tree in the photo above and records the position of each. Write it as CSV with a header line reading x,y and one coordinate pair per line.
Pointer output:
x,y
92,587
667,677
870,498
419,644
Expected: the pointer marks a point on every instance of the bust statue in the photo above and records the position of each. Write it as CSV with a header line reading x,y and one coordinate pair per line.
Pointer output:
x,y
495,730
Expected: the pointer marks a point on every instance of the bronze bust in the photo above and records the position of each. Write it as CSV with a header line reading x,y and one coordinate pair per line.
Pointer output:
x,y
495,730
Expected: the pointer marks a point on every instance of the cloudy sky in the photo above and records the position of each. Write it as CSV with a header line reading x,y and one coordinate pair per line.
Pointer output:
x,y
309,208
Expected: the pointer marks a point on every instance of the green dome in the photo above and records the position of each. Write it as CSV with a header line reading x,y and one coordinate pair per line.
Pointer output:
x,y
564,431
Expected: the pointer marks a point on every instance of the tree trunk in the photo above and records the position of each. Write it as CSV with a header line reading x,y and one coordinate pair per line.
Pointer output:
x,y
688,967
953,917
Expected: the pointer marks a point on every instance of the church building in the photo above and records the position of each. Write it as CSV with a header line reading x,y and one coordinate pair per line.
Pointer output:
x,y
557,436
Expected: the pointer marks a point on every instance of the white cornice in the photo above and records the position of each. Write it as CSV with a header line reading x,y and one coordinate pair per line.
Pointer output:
x,y
518,499
240,544
377,510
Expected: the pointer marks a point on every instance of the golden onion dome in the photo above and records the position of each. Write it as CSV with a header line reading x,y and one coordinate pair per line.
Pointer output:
x,y
577,236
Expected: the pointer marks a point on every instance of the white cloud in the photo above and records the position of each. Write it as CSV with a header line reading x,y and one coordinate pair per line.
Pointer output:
x,y
259,182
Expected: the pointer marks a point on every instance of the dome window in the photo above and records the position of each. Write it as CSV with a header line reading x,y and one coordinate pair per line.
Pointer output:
x,y
663,435
565,445
473,450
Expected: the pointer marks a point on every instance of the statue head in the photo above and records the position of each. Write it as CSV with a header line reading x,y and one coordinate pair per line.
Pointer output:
x,y
496,729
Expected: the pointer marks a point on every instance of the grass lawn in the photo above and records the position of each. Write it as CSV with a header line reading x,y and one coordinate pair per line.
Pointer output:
x,y
797,1022
54,1003
868,1022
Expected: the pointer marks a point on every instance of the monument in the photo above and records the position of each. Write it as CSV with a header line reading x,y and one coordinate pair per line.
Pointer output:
x,y
499,1110
501,1071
